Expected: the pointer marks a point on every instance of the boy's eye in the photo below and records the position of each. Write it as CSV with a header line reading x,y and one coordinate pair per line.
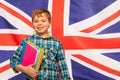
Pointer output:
x,y
35,21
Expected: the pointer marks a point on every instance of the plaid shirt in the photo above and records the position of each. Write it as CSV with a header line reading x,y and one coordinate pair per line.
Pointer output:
x,y
53,54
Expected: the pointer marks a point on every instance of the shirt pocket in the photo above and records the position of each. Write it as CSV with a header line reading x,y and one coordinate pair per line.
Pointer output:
x,y
51,55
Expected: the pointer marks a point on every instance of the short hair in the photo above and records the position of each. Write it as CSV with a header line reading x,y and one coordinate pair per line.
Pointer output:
x,y
39,12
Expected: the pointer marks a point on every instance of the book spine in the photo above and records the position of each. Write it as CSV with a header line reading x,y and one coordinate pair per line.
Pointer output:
x,y
39,59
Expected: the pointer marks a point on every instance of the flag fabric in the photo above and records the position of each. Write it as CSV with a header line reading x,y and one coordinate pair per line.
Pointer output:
x,y
89,31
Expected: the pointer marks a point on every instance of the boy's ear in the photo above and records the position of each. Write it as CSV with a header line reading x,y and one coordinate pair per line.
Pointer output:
x,y
50,23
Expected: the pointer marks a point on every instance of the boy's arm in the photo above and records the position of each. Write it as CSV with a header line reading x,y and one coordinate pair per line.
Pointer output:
x,y
15,59
62,65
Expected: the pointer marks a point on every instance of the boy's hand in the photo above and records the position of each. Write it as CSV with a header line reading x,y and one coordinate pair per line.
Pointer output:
x,y
31,71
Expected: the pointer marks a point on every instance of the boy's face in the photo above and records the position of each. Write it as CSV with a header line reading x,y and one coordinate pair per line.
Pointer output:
x,y
41,24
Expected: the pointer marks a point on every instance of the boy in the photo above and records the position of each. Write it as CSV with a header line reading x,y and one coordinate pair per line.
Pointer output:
x,y
53,51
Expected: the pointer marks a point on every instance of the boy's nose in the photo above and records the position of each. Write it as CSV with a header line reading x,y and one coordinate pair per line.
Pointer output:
x,y
39,23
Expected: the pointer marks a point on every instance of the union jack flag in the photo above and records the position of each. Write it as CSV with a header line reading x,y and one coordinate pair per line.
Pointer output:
x,y
89,31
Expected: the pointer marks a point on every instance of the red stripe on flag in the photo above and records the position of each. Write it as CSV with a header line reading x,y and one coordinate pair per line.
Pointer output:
x,y
97,65
90,43
68,42
57,18
102,23
16,14
11,39
4,68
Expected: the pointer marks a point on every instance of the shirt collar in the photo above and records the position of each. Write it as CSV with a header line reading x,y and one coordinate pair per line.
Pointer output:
x,y
38,36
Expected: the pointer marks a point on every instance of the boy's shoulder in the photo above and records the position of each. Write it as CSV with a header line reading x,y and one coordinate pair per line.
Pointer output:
x,y
27,38
55,39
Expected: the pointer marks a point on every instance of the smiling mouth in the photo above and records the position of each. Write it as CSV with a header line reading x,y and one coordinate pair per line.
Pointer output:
x,y
39,28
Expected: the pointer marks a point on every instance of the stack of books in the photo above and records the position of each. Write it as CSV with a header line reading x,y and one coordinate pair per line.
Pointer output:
x,y
31,54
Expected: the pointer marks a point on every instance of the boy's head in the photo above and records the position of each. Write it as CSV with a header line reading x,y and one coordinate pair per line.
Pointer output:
x,y
40,12
41,20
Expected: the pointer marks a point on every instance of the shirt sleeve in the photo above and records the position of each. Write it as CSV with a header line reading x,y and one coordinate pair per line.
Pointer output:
x,y
62,65
15,59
